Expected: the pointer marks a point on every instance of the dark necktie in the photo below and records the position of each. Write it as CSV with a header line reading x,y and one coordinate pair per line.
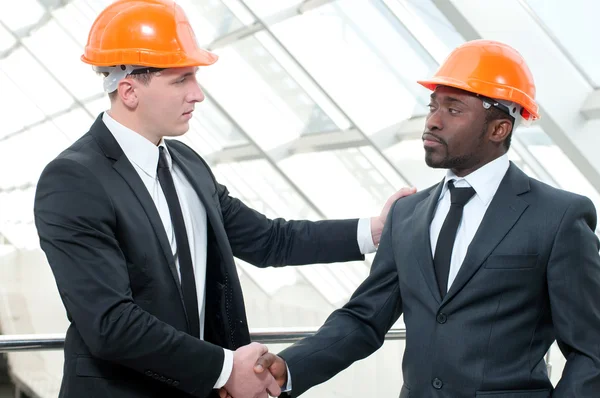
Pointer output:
x,y
443,249
188,281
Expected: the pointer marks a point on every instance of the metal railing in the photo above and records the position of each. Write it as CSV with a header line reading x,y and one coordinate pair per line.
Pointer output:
x,y
37,342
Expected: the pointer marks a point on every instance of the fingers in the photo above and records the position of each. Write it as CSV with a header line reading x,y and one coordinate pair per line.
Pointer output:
x,y
273,388
223,393
404,192
261,348
264,362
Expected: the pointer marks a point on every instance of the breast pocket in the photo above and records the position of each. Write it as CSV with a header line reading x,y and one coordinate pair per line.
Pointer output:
x,y
510,261
514,394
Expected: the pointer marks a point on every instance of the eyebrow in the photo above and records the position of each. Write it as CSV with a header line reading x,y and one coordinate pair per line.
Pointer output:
x,y
188,74
448,99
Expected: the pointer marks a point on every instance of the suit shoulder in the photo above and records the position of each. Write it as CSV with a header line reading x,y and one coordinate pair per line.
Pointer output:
x,y
188,152
408,203
556,196
83,158
84,151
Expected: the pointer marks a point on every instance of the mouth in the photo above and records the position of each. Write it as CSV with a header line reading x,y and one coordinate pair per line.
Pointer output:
x,y
187,114
429,140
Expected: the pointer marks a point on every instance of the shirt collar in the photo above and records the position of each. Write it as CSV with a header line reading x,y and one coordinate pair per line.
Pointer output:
x,y
485,180
138,149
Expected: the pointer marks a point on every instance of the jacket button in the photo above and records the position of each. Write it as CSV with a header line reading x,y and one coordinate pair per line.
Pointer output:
x,y
442,318
169,381
437,383
163,379
149,373
175,383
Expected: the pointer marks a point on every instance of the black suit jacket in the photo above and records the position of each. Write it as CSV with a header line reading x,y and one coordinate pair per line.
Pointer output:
x,y
116,275
531,275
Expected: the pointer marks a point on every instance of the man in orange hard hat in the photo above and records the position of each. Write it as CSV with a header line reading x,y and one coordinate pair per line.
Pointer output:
x,y
499,265
141,238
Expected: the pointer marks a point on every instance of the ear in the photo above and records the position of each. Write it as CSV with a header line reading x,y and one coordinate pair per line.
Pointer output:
x,y
126,90
499,130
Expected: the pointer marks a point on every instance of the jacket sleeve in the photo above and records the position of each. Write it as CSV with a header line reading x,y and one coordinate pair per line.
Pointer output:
x,y
354,331
76,225
574,289
276,242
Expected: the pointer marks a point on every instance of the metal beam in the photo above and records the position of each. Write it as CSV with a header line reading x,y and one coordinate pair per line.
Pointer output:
x,y
591,106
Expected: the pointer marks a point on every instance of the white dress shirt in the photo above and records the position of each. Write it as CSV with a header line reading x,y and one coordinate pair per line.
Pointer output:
x,y
143,155
485,181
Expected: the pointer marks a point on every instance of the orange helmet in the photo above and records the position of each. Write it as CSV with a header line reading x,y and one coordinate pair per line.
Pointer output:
x,y
154,33
491,70
129,34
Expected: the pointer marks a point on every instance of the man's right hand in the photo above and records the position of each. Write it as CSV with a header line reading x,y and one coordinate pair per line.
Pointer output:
x,y
276,365
244,382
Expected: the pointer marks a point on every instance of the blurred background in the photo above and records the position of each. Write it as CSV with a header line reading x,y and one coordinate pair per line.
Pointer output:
x,y
312,111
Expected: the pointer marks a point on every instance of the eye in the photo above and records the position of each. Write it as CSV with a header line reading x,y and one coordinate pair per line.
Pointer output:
x,y
180,81
453,111
431,107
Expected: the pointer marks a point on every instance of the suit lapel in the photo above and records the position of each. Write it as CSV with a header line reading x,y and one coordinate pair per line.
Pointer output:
x,y
422,216
113,151
502,214
201,181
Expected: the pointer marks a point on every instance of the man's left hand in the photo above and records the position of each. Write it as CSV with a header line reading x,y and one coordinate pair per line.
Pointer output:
x,y
378,222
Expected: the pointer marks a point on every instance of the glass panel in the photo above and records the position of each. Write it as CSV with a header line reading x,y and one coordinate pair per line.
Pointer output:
x,y
211,130
370,72
6,39
74,123
28,153
409,156
268,103
16,109
341,183
428,25
63,60
212,19
575,36
35,82
99,105
266,8
263,189
21,14
76,19
17,224
553,159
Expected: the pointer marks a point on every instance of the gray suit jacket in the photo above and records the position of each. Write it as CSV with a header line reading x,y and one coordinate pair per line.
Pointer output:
x,y
531,275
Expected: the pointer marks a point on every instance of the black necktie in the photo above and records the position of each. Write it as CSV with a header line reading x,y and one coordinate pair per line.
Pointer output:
x,y
443,249
188,282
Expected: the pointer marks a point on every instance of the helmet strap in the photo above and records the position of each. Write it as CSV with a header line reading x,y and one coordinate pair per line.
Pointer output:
x,y
119,72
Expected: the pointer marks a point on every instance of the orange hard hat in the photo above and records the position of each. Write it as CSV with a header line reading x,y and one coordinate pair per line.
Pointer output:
x,y
152,33
490,69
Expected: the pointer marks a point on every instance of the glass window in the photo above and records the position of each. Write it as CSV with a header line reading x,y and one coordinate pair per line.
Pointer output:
x,y
575,32
370,72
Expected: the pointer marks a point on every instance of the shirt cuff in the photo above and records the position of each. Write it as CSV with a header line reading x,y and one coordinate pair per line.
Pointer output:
x,y
288,387
364,236
227,368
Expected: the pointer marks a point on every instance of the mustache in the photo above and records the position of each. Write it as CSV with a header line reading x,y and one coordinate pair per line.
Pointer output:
x,y
428,135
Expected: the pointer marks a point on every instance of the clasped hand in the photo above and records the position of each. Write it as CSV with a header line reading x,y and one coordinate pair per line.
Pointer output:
x,y
249,378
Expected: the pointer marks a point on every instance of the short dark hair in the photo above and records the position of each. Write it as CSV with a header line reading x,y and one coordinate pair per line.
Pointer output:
x,y
494,113
143,78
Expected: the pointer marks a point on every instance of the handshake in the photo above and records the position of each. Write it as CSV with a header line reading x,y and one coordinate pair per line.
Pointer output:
x,y
255,373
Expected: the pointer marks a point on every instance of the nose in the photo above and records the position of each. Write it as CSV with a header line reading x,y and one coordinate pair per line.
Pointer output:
x,y
196,95
433,121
